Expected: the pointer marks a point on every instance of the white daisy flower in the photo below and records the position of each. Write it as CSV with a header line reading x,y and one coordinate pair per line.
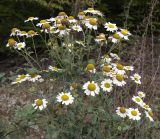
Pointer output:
x,y
110,27
136,78
145,106
91,88
93,11
91,23
106,69
125,33
115,56
51,19
21,78
22,33
35,77
116,37
134,114
122,112
118,68
20,45
31,33
106,59
42,22
40,104
137,100
141,94
11,43
129,68
81,15
149,114
31,19
118,80
77,28
62,30
71,19
91,68
14,31
106,85
54,68
62,15
65,98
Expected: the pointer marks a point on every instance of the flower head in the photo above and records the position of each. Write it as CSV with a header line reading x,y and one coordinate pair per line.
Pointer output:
x,y
65,98
11,43
122,112
110,27
40,104
91,68
141,94
106,85
149,114
20,45
31,19
91,88
134,114
118,80
136,78
137,100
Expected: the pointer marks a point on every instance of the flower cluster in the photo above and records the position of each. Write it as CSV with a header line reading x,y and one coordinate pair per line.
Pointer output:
x,y
133,113
77,35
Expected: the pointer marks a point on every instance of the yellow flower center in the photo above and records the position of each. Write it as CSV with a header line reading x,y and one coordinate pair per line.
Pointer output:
x,y
116,36
14,30
61,27
46,26
74,85
122,109
81,13
70,17
124,31
22,76
43,21
106,68
11,42
39,102
61,14
64,97
23,32
30,18
107,85
150,113
91,87
134,112
90,67
136,78
90,9
31,32
33,75
119,77
58,21
138,99
111,25
19,45
119,66
93,21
